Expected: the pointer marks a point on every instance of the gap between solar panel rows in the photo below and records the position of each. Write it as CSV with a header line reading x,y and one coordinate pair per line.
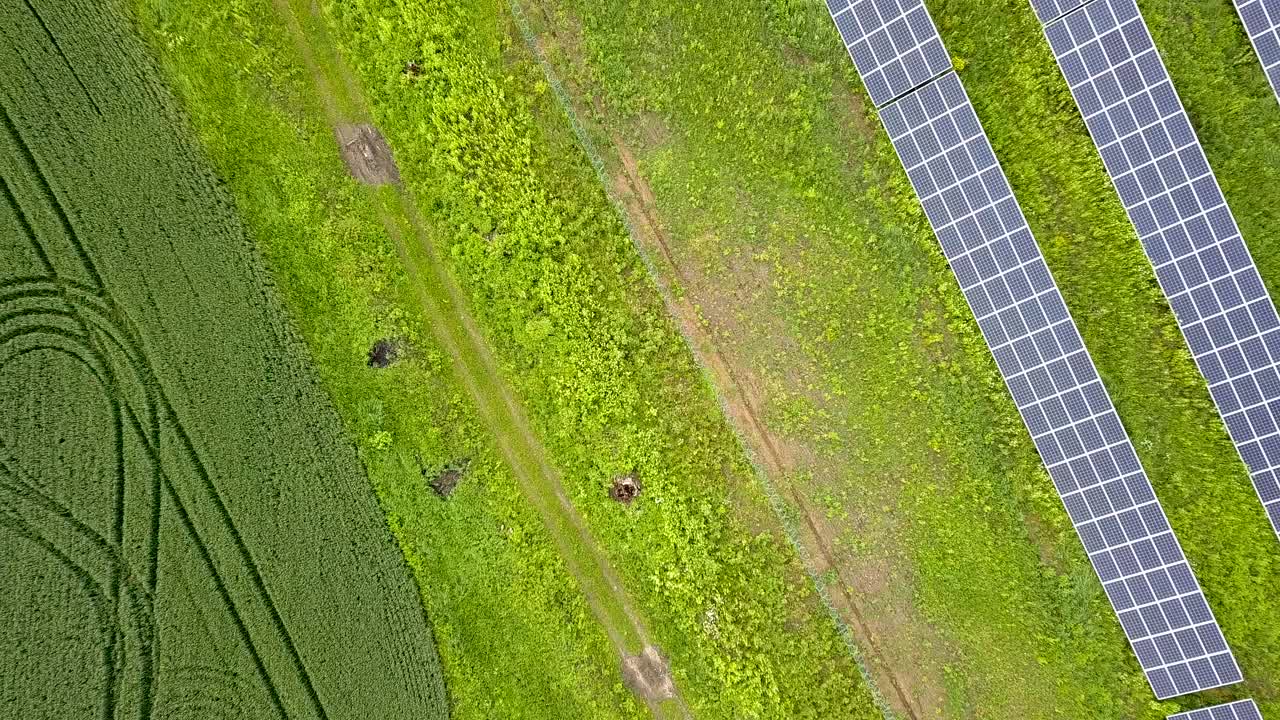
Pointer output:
x,y
1187,230
984,236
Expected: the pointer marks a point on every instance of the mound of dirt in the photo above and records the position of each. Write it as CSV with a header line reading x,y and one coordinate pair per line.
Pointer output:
x,y
445,480
367,155
383,353
648,675
625,488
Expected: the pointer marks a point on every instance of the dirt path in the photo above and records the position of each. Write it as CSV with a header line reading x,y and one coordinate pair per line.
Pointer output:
x,y
445,309
631,192
632,189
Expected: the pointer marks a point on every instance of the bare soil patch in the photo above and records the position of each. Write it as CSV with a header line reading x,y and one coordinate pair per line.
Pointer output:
x,y
625,488
648,675
383,353
443,481
366,153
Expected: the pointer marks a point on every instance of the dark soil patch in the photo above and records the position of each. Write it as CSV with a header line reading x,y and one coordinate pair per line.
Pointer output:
x,y
383,353
367,155
445,480
625,488
648,675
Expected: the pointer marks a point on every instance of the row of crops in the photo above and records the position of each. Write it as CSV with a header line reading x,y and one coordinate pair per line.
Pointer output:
x,y
186,533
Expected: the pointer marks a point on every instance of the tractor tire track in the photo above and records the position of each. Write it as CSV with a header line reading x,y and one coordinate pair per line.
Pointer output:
x,y
63,55
116,329
91,586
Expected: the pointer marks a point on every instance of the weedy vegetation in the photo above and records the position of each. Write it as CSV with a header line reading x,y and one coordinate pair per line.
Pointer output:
x,y
788,224
581,336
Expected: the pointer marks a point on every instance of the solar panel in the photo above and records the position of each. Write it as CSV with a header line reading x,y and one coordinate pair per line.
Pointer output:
x,y
1188,232
893,43
1238,710
1262,22
1050,10
1056,388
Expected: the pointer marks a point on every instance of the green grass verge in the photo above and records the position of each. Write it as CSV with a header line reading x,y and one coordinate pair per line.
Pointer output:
x,y
579,331
513,630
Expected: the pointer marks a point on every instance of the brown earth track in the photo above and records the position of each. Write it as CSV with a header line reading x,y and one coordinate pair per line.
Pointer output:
x,y
640,204
631,192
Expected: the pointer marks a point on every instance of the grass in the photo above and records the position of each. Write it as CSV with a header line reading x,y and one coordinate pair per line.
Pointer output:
x,y
485,565
579,332
188,529
802,249
809,257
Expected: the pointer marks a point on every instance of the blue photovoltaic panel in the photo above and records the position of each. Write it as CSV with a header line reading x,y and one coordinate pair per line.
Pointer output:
x,y
1239,710
1050,10
1186,228
1262,22
893,43
1068,412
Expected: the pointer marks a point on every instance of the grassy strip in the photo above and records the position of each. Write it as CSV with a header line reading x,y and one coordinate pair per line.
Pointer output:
x,y
513,629
579,330
671,295
778,189
577,324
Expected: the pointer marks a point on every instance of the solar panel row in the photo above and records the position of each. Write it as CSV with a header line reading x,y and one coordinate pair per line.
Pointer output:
x,y
1262,22
893,43
1238,710
1055,386
1050,10
1037,347
1159,170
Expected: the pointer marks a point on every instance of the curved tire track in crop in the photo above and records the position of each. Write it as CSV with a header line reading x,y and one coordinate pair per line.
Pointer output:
x,y
221,695
93,314
91,309
161,507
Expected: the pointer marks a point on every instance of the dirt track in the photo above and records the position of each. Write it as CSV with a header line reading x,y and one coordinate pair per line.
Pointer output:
x,y
445,309
629,189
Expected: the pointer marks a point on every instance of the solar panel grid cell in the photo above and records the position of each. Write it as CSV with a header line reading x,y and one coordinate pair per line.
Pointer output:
x,y
1238,710
1056,387
1050,10
893,43
1189,234
1261,20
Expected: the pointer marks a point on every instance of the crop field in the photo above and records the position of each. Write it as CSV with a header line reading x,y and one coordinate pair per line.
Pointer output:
x,y
186,531
579,359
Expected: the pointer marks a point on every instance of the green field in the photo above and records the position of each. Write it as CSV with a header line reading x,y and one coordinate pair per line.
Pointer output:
x,y
187,533
580,338
647,238
789,224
